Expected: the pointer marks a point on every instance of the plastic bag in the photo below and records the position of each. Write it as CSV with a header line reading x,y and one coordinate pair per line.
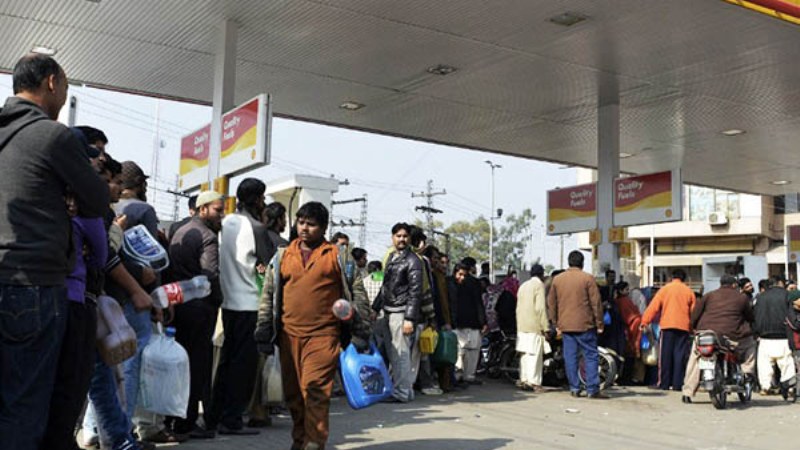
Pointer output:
x,y
649,352
428,340
271,381
164,379
607,318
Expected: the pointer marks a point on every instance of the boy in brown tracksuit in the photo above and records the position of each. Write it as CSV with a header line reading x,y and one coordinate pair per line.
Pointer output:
x,y
295,313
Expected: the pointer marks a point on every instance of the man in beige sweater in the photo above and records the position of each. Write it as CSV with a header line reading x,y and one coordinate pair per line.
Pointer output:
x,y
531,328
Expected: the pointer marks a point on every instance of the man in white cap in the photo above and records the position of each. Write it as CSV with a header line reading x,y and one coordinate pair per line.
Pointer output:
x,y
193,251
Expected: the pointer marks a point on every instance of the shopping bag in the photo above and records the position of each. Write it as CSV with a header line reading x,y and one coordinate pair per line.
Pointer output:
x,y
116,340
650,354
271,381
164,380
427,340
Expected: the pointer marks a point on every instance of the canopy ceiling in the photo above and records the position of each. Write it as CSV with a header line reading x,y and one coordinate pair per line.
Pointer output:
x,y
685,71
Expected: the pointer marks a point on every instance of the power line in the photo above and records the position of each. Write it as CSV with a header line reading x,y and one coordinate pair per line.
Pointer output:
x,y
429,209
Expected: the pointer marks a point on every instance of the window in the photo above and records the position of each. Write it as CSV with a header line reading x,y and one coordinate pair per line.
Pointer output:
x,y
703,201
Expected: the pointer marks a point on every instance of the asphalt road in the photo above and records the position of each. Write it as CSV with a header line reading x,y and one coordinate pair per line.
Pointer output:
x,y
497,416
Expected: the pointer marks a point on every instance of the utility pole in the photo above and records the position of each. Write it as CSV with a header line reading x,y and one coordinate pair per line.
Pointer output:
x,y
428,209
491,222
350,222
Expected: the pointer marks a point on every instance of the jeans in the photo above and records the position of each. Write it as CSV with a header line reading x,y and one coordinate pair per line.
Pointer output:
x,y
32,324
587,343
75,369
140,322
112,422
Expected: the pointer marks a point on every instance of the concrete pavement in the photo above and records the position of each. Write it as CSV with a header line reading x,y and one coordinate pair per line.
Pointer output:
x,y
497,416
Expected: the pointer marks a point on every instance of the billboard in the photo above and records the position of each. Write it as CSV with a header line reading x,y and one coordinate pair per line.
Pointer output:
x,y
195,151
572,209
652,198
793,239
246,136
246,139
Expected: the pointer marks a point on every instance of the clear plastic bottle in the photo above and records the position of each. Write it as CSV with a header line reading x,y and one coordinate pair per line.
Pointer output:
x,y
342,309
169,333
181,291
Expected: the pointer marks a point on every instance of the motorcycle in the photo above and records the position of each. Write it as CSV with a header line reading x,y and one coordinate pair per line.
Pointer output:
x,y
501,360
555,372
499,355
720,371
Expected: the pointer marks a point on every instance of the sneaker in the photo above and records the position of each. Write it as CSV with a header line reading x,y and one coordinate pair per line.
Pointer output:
x,y
432,391
90,441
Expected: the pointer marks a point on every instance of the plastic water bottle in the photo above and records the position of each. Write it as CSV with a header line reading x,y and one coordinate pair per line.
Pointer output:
x,y
181,291
350,270
342,309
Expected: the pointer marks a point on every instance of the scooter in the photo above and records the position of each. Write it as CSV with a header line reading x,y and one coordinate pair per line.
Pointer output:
x,y
720,371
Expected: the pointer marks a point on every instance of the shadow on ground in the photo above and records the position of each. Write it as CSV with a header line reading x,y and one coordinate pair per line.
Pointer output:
x,y
438,444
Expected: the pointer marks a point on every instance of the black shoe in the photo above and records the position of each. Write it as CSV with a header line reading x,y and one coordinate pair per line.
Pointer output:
x,y
656,387
201,433
686,399
259,423
599,396
237,431
576,394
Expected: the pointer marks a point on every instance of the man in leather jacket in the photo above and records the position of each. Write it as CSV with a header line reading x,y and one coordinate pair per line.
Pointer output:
x,y
400,300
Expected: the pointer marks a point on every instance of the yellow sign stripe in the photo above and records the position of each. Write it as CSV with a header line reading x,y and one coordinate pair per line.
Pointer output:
x,y
662,200
770,12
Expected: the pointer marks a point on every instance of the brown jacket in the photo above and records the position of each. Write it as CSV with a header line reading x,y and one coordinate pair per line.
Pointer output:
x,y
573,303
725,311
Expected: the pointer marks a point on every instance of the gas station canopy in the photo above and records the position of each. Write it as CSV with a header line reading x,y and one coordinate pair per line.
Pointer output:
x,y
702,84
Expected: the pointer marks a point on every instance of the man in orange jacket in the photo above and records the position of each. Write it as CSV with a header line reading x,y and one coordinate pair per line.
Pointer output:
x,y
674,302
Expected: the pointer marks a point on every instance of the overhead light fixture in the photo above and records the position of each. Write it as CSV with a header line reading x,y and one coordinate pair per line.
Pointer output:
x,y
567,19
351,106
733,132
624,155
781,182
44,50
441,69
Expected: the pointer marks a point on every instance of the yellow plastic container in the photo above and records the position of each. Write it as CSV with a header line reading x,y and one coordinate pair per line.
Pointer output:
x,y
428,340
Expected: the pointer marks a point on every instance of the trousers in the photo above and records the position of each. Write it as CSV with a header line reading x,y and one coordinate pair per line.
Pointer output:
x,y
774,351
469,351
586,342
672,355
531,364
308,365
403,356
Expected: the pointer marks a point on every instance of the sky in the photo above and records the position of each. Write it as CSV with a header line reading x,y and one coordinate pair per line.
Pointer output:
x,y
387,169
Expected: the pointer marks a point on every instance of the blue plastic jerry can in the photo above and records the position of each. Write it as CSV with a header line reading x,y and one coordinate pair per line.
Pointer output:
x,y
364,376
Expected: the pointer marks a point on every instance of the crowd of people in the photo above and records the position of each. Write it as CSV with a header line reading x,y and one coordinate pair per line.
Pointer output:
x,y
65,205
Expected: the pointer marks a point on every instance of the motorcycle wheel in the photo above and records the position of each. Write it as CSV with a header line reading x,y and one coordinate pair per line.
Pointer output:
x,y
606,370
509,364
719,396
789,394
747,395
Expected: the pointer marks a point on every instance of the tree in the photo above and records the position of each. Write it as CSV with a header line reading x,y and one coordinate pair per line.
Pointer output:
x,y
512,238
469,239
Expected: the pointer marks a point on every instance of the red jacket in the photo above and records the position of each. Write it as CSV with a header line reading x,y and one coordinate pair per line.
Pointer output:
x,y
675,302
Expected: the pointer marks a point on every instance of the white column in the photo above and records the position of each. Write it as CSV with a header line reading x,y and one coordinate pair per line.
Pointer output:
x,y
607,170
224,89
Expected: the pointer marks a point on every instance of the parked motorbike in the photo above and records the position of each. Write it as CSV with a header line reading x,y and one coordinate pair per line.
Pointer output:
x,y
720,371
499,353
501,360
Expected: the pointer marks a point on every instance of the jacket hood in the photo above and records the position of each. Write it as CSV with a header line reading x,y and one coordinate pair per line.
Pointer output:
x,y
16,114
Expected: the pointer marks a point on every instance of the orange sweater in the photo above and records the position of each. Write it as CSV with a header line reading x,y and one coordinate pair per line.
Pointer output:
x,y
675,302
310,290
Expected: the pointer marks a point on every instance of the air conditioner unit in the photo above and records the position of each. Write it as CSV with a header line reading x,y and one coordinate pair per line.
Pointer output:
x,y
717,218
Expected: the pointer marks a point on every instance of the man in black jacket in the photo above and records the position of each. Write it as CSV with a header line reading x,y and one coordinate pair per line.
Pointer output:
x,y
193,251
401,298
470,322
770,326
40,159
